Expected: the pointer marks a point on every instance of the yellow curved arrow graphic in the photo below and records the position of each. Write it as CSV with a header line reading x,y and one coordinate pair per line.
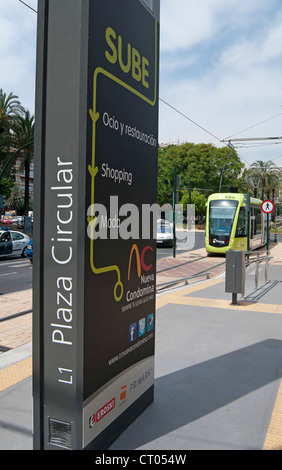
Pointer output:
x,y
93,169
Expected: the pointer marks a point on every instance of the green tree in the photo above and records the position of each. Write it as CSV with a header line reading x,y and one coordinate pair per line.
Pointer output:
x,y
24,136
200,164
6,186
196,198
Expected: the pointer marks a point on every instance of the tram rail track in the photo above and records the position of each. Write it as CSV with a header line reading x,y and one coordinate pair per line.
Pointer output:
x,y
182,264
185,272
171,272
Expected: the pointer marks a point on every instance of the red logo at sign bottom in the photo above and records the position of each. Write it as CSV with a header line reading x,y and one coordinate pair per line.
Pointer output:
x,y
106,409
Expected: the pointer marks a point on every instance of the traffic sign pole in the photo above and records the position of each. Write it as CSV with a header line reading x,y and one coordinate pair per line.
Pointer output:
x,y
267,233
267,207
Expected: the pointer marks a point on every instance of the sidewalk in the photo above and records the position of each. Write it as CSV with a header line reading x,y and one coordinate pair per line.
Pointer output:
x,y
217,367
18,331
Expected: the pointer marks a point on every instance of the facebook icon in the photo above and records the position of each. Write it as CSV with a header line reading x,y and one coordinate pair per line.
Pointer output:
x,y
132,332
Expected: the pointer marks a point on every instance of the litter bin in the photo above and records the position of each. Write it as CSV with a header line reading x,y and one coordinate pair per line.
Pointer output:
x,y
235,273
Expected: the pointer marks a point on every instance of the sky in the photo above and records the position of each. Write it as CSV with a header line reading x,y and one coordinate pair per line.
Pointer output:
x,y
220,69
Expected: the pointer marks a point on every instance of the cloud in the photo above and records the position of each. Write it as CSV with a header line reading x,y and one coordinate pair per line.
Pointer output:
x,y
184,24
223,70
220,65
18,50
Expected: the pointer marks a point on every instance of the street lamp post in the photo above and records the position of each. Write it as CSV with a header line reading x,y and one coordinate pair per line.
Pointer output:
x,y
255,181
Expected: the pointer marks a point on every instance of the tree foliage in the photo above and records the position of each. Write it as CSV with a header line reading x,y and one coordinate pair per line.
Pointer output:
x,y
198,164
23,137
198,199
10,109
16,131
262,180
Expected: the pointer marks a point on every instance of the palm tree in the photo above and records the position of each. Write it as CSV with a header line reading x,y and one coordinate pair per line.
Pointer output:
x,y
10,108
272,185
23,135
268,176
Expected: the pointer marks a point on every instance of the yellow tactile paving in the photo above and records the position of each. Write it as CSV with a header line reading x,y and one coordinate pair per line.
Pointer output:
x,y
179,294
15,373
180,297
273,440
225,304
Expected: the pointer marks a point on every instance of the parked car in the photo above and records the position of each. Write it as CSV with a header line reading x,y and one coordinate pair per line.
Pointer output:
x,y
13,243
164,233
17,220
7,219
29,251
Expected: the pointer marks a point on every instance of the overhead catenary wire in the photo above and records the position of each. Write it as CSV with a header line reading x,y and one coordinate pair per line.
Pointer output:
x,y
246,146
28,6
191,120
255,125
240,143
243,158
230,145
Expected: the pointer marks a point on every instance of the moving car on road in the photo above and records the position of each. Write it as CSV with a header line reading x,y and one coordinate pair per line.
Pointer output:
x,y
13,243
164,233
29,251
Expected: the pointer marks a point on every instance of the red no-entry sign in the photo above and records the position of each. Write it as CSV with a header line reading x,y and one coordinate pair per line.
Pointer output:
x,y
267,207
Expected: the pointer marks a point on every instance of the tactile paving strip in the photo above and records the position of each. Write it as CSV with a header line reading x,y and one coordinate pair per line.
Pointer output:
x,y
15,373
273,440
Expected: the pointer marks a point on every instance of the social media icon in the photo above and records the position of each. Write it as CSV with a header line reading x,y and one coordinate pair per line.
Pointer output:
x,y
132,332
150,322
141,326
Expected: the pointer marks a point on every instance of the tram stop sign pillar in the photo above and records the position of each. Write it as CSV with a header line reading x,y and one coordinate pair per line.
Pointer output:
x,y
96,144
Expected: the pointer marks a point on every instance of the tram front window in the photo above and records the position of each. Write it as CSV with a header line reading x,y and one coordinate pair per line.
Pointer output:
x,y
221,218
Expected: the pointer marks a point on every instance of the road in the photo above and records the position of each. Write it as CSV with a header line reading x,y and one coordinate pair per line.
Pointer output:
x,y
196,241
16,273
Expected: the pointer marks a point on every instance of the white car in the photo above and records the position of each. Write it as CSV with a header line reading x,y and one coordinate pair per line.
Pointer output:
x,y
164,234
13,243
17,220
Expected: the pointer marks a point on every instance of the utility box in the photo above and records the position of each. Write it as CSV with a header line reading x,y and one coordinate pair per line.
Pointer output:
x,y
235,272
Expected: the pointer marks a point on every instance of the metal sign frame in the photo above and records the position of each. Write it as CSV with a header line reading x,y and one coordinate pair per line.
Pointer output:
x,y
93,342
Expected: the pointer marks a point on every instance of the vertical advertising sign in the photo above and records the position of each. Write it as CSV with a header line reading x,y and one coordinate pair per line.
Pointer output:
x,y
95,273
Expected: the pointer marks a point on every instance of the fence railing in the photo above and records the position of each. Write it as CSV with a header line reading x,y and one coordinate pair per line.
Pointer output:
x,y
257,259
237,273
